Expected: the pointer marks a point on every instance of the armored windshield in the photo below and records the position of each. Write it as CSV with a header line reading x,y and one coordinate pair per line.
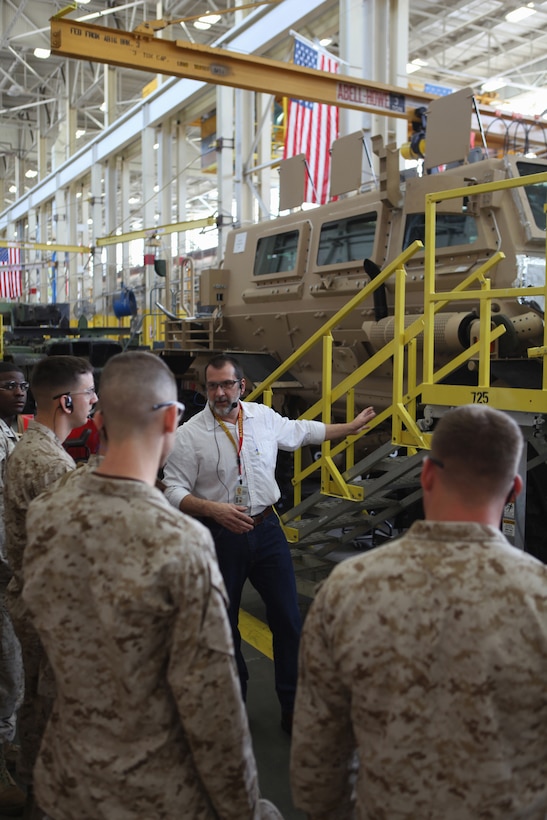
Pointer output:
x,y
450,230
536,194
276,254
347,239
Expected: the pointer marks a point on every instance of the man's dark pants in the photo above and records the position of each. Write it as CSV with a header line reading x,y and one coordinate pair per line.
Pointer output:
x,y
263,556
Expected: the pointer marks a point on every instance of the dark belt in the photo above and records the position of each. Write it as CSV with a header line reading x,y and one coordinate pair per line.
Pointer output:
x,y
258,519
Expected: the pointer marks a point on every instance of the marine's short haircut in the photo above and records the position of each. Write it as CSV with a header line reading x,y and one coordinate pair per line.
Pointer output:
x,y
131,384
220,361
57,374
10,367
480,448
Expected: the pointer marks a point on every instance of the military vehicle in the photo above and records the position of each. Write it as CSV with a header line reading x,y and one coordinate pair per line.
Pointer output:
x,y
282,279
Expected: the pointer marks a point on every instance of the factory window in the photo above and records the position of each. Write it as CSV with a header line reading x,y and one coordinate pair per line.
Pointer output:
x,y
276,254
536,194
347,240
450,229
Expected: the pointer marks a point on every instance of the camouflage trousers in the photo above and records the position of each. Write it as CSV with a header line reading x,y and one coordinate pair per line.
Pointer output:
x,y
11,674
39,692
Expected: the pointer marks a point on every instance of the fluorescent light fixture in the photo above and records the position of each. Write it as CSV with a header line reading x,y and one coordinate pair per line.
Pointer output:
x,y
205,22
493,85
79,133
42,53
520,14
31,173
415,65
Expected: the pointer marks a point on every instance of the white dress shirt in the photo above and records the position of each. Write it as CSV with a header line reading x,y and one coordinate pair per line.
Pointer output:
x,y
203,461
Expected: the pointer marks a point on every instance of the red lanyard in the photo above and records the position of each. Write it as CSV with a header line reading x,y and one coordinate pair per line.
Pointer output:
x,y
237,447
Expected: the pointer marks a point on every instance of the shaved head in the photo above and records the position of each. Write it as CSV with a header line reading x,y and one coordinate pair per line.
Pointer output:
x,y
480,450
131,384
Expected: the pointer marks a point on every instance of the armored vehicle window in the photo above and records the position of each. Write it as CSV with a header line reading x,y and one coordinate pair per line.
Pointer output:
x,y
347,240
450,229
276,254
536,194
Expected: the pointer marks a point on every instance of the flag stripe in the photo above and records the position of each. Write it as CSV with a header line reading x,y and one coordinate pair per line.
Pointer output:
x,y
312,127
11,285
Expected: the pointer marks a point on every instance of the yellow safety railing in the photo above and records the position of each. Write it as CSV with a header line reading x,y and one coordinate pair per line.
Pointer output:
x,y
403,348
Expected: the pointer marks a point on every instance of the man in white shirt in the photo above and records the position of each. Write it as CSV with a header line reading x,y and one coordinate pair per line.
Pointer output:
x,y
222,470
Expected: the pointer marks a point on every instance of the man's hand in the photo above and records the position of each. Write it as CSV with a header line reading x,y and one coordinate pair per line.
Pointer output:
x,y
361,420
233,517
350,428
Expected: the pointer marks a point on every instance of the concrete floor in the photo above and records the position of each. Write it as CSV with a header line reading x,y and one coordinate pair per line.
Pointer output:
x,y
271,744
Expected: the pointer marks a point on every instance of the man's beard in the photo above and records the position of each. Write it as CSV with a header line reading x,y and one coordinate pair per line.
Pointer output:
x,y
222,409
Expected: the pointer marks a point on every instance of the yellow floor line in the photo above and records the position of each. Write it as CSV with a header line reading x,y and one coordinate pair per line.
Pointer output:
x,y
255,633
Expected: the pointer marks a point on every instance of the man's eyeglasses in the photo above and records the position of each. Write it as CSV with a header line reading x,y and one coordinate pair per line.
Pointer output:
x,y
436,461
14,385
179,405
226,385
89,392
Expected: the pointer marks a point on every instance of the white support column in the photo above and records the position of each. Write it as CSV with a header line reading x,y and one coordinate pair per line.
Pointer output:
x,y
265,104
73,267
33,272
110,94
111,222
71,126
60,235
225,151
43,294
399,22
354,42
374,46
42,142
150,188
93,210
182,159
125,194
244,120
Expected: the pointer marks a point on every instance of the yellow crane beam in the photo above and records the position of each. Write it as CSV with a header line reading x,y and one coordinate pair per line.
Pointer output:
x,y
177,58
139,49
44,246
151,233
103,241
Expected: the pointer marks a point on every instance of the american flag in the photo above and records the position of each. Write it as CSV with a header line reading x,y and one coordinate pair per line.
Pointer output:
x,y
312,127
11,286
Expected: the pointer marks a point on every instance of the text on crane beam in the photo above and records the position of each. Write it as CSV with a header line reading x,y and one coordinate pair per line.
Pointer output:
x,y
387,101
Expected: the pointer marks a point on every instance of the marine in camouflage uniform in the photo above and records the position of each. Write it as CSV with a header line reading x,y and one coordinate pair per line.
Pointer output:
x,y
37,461
11,669
429,658
63,389
127,597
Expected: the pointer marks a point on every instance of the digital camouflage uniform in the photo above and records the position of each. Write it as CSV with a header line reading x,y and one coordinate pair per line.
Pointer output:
x,y
148,720
428,656
38,460
11,665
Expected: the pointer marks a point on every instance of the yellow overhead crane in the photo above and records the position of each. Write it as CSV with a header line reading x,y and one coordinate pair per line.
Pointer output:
x,y
139,49
113,239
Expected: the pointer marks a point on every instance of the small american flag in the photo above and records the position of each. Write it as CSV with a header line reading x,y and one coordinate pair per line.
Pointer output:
x,y
11,286
312,127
